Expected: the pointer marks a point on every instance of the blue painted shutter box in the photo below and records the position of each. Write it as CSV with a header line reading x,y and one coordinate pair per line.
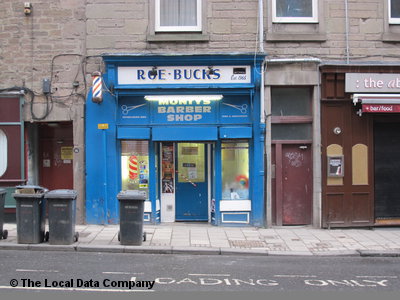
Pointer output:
x,y
235,132
136,133
185,133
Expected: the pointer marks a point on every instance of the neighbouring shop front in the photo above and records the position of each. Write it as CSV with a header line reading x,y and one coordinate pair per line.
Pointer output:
x,y
360,145
184,130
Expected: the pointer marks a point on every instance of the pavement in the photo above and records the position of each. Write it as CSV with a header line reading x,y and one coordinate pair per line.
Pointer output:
x,y
198,238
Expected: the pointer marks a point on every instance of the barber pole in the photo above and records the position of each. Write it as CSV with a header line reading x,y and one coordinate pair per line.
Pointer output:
x,y
96,88
133,167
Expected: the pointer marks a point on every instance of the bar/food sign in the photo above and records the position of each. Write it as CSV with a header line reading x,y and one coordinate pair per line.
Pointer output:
x,y
381,108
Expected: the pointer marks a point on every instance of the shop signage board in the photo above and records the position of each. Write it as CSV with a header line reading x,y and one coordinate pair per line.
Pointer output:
x,y
183,75
372,83
381,108
187,109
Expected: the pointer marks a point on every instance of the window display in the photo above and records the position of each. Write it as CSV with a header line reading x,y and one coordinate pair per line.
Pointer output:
x,y
235,171
135,166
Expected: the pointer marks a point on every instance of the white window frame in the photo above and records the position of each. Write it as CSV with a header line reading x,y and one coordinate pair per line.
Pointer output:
x,y
312,19
392,20
159,28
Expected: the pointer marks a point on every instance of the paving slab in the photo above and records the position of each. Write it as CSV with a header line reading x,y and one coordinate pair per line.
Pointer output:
x,y
205,238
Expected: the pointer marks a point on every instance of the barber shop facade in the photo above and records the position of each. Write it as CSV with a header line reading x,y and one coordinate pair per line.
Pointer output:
x,y
185,131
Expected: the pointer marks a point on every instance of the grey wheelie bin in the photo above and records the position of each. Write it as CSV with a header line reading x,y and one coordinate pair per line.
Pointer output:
x,y
3,233
30,213
131,208
61,214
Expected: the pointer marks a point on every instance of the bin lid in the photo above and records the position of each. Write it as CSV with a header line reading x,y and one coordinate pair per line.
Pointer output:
x,y
29,191
36,188
131,195
61,194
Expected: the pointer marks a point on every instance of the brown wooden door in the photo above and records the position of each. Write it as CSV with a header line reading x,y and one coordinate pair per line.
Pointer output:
x,y
56,147
297,184
292,184
347,201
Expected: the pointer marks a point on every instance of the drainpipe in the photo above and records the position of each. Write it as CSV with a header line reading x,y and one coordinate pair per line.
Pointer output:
x,y
262,84
261,50
346,8
261,25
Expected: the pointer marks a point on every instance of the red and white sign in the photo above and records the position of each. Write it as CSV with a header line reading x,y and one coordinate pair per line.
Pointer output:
x,y
381,108
133,167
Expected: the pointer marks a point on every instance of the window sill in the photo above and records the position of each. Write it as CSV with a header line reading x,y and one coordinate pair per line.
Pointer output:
x,y
291,119
178,37
391,37
296,37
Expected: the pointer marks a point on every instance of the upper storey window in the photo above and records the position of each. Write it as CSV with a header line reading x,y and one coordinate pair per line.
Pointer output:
x,y
394,11
295,11
178,15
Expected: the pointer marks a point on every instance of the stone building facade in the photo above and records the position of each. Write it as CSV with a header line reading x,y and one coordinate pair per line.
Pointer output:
x,y
62,42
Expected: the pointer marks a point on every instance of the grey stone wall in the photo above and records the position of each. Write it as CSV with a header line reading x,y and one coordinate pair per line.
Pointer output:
x,y
29,44
32,47
369,36
48,44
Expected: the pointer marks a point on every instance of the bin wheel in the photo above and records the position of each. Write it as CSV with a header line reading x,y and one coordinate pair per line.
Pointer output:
x,y
5,234
119,237
46,236
76,236
144,236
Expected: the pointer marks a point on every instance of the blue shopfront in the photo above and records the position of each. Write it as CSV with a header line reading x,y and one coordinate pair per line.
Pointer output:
x,y
184,130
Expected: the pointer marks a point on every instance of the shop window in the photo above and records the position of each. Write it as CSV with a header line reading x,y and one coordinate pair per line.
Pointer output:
x,y
178,15
394,11
294,11
135,165
3,152
235,171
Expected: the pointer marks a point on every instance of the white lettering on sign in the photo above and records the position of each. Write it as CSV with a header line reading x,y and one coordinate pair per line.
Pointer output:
x,y
372,82
382,108
184,75
184,110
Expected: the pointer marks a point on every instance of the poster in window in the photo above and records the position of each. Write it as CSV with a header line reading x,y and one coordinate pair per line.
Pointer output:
x,y
167,168
335,166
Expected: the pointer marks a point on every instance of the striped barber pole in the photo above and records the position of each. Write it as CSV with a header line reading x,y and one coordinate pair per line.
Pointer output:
x,y
133,167
97,87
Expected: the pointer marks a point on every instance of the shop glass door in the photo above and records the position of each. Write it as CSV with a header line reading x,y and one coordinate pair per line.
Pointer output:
x,y
191,182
